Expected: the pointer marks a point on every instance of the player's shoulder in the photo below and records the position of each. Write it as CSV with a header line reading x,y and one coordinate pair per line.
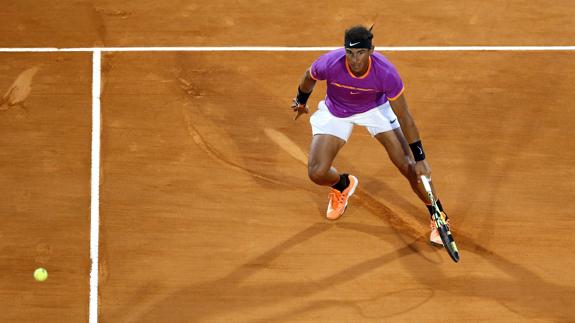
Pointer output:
x,y
327,64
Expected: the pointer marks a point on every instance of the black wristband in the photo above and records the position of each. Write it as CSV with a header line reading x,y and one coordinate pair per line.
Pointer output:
x,y
302,97
417,150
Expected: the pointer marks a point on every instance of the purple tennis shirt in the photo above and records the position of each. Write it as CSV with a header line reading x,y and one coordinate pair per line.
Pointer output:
x,y
348,94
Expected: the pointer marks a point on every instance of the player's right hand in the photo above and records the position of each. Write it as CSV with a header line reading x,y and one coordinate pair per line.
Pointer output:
x,y
299,108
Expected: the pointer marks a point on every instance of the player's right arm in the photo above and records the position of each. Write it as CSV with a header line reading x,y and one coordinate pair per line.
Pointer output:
x,y
303,92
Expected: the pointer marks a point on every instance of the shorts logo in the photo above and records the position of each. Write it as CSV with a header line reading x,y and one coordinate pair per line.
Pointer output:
x,y
392,121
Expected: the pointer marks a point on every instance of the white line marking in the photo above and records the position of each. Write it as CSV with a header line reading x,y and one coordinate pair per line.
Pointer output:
x,y
95,185
288,49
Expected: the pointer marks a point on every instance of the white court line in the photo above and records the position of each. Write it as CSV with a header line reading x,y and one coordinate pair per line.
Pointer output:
x,y
95,185
288,49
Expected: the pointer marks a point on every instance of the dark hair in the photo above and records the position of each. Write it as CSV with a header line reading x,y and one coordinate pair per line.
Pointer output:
x,y
359,34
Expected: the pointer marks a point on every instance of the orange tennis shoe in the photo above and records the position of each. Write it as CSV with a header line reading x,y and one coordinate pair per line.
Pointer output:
x,y
338,200
434,237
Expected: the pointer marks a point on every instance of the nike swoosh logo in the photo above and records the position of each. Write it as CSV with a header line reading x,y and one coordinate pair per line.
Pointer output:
x,y
420,151
353,44
353,92
394,120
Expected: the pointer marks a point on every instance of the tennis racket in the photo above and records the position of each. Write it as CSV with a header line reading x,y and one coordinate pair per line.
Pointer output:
x,y
442,227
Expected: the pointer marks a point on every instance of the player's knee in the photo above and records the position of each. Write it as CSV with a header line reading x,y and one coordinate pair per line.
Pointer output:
x,y
318,174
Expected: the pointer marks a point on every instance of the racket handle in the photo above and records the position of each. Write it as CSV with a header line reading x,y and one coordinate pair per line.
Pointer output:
x,y
426,184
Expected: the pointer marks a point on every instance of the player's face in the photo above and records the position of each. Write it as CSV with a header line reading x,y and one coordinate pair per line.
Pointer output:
x,y
358,59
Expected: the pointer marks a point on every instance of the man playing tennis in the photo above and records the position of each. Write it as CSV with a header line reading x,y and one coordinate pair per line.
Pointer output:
x,y
363,88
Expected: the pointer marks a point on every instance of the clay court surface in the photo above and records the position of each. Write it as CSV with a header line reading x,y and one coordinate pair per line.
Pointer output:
x,y
206,211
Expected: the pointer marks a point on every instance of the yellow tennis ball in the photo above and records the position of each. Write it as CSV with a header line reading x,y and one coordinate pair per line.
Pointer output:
x,y
40,274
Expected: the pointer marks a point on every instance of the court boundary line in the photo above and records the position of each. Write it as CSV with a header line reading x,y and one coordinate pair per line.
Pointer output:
x,y
283,49
96,114
95,185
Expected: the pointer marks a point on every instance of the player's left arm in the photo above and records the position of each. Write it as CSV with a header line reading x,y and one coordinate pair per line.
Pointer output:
x,y
411,133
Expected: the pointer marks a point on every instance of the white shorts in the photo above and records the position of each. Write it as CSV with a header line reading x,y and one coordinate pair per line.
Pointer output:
x,y
377,120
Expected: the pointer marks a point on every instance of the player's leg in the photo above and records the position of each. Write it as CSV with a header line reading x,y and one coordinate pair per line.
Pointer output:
x,y
400,154
329,136
322,152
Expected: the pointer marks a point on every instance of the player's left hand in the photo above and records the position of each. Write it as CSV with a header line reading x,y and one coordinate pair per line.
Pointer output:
x,y
299,108
422,168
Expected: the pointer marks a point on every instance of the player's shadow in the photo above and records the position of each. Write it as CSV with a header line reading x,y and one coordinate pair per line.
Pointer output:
x,y
235,293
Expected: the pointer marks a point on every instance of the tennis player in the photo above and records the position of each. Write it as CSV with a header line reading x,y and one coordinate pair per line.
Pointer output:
x,y
364,89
